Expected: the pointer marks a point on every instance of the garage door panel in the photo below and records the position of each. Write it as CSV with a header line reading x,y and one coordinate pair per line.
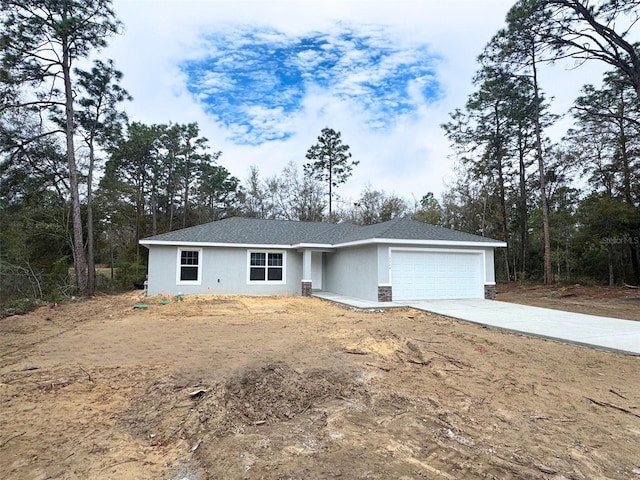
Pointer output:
x,y
419,275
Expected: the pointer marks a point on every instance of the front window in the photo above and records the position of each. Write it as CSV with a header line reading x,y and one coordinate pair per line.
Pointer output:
x,y
189,266
266,267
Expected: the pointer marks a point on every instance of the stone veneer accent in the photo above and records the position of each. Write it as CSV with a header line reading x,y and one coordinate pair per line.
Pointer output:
x,y
306,289
490,292
384,294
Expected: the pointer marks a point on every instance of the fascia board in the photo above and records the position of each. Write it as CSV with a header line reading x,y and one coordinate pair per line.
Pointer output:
x,y
368,241
174,243
440,243
324,246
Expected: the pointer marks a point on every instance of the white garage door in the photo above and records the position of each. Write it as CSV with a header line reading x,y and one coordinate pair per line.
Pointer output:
x,y
417,275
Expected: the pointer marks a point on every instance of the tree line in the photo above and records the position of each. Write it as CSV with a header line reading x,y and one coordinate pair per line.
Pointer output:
x,y
81,183
569,210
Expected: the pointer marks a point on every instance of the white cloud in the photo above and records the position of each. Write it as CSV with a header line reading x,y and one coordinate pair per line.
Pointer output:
x,y
408,158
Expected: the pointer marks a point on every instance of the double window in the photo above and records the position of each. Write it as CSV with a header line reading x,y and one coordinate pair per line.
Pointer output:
x,y
266,267
189,266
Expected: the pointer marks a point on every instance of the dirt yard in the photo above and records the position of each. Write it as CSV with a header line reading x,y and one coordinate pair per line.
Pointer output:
x,y
616,302
294,388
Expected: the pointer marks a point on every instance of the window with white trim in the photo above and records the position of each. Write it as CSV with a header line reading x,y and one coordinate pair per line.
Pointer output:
x,y
189,266
266,267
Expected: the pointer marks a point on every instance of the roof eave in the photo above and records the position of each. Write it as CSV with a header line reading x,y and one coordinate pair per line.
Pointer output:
x,y
324,246
177,243
327,246
442,243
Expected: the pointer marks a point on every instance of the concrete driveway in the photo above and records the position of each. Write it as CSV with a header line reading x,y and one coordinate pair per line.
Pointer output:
x,y
599,332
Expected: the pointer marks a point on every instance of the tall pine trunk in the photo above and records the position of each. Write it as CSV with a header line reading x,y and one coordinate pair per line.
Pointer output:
x,y
627,187
76,213
548,271
501,192
91,267
330,189
523,216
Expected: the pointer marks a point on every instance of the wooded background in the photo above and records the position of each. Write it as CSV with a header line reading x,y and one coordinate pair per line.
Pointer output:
x,y
81,183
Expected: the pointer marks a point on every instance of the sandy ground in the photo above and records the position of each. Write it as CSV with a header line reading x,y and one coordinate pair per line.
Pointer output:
x,y
616,302
295,388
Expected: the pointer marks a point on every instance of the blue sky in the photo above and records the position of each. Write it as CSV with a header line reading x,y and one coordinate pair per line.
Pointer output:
x,y
252,79
262,78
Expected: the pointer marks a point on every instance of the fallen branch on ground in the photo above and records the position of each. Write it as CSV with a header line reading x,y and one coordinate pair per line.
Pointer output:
x,y
384,369
87,374
611,405
121,463
456,362
11,438
351,351
420,362
616,393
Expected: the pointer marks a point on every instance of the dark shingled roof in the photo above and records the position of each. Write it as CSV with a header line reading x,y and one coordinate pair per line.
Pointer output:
x,y
407,229
283,232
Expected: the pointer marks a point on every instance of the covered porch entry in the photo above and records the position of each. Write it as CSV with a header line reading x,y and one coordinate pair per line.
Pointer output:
x,y
313,262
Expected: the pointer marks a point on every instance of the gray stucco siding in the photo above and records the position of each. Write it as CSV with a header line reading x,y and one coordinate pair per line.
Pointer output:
x,y
224,271
384,265
489,267
353,272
